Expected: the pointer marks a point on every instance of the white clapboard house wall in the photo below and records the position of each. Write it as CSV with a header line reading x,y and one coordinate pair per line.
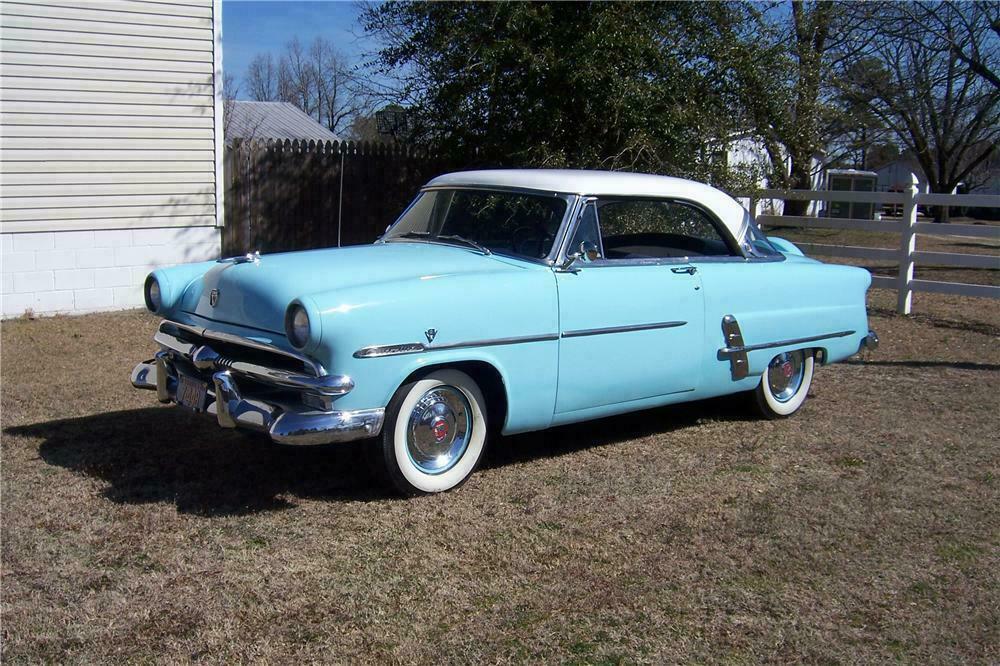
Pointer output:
x,y
110,147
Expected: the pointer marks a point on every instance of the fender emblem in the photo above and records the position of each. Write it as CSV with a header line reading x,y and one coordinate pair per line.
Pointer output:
x,y
213,297
430,333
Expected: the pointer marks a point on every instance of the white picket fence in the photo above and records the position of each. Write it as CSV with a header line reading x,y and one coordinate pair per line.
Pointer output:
x,y
908,227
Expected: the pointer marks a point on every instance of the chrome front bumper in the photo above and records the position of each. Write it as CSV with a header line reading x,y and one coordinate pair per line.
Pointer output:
x,y
292,407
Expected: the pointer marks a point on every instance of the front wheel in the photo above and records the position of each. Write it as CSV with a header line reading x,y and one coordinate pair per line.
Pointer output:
x,y
785,384
434,433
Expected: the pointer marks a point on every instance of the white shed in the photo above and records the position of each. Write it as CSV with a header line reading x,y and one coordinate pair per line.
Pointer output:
x,y
110,147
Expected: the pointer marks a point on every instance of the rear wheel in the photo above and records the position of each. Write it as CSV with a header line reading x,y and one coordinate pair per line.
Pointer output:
x,y
785,384
434,433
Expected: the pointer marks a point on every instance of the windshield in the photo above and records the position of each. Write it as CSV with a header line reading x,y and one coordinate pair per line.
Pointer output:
x,y
514,223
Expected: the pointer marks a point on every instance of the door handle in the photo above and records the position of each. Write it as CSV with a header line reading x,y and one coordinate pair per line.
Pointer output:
x,y
690,270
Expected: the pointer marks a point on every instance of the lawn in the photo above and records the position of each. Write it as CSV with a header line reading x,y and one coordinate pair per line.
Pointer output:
x,y
867,528
925,242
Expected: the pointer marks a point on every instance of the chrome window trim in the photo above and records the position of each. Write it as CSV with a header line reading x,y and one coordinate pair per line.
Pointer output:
x,y
568,230
713,219
579,333
378,351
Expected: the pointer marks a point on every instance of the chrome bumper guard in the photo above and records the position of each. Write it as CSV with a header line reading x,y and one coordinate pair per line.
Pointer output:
x,y
294,408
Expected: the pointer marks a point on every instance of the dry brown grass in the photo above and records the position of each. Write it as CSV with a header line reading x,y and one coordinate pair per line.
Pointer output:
x,y
865,529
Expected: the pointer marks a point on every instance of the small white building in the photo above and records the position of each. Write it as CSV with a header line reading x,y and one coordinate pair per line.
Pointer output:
x,y
897,175
110,148
749,152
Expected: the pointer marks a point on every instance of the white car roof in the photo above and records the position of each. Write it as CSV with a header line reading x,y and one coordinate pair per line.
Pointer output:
x,y
607,183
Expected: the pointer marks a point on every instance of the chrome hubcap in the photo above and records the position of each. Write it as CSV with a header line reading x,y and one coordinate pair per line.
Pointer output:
x,y
438,430
785,374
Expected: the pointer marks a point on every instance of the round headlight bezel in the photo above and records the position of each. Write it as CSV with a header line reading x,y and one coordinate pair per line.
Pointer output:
x,y
153,294
297,325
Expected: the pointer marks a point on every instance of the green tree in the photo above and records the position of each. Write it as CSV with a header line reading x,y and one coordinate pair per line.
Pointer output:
x,y
782,73
590,85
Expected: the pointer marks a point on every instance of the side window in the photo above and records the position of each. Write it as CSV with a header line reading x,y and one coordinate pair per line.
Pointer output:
x,y
646,228
587,231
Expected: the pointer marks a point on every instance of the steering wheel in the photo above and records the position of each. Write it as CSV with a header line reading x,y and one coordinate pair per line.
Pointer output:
x,y
530,241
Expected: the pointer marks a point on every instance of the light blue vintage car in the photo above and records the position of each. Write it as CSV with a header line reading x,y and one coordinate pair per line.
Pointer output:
x,y
503,301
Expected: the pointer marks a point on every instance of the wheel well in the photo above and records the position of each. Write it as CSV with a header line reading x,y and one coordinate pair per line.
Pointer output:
x,y
489,381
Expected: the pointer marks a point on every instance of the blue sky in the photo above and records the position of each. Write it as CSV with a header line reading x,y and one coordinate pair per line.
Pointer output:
x,y
249,28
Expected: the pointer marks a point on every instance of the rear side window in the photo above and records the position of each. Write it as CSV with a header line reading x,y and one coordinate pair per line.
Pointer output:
x,y
656,229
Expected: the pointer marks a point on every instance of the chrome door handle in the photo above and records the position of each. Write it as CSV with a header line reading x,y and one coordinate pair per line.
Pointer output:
x,y
690,270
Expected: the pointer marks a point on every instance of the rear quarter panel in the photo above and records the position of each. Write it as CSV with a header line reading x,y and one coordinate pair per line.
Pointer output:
x,y
782,300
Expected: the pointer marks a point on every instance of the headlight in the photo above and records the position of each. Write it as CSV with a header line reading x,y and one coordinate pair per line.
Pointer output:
x,y
152,294
297,325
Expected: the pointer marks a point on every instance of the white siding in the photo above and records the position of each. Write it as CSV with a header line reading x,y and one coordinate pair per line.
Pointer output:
x,y
107,87
110,147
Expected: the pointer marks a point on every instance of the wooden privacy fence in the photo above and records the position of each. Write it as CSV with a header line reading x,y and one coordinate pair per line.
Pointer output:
x,y
297,195
908,226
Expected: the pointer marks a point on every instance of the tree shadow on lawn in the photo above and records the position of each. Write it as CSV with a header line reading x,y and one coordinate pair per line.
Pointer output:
x,y
164,454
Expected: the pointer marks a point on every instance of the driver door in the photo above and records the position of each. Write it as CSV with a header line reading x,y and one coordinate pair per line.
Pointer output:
x,y
632,327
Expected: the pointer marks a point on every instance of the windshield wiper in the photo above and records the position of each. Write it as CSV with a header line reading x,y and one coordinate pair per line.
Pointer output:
x,y
467,241
454,238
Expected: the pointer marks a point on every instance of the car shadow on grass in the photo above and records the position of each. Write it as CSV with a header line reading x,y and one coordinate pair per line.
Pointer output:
x,y
164,454
563,440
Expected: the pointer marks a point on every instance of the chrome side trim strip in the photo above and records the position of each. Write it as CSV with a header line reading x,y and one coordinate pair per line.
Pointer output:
x,y
376,351
622,329
317,369
784,343
735,350
496,342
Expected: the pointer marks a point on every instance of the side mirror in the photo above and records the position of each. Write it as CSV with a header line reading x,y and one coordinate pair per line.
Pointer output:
x,y
587,253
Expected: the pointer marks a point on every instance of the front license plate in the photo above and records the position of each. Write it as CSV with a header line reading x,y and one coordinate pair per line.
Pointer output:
x,y
191,393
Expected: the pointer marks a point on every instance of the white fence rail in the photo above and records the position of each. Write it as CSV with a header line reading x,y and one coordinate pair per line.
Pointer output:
x,y
908,226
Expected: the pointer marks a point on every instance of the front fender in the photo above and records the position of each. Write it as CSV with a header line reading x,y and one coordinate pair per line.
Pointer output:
x,y
453,318
175,281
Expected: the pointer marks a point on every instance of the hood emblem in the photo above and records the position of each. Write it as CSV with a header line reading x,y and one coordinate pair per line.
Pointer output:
x,y
213,297
430,333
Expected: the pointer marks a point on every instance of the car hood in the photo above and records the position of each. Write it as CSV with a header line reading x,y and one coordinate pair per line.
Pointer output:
x,y
256,294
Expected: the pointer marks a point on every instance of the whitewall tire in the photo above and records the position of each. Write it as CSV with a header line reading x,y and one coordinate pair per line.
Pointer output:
x,y
785,384
434,433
